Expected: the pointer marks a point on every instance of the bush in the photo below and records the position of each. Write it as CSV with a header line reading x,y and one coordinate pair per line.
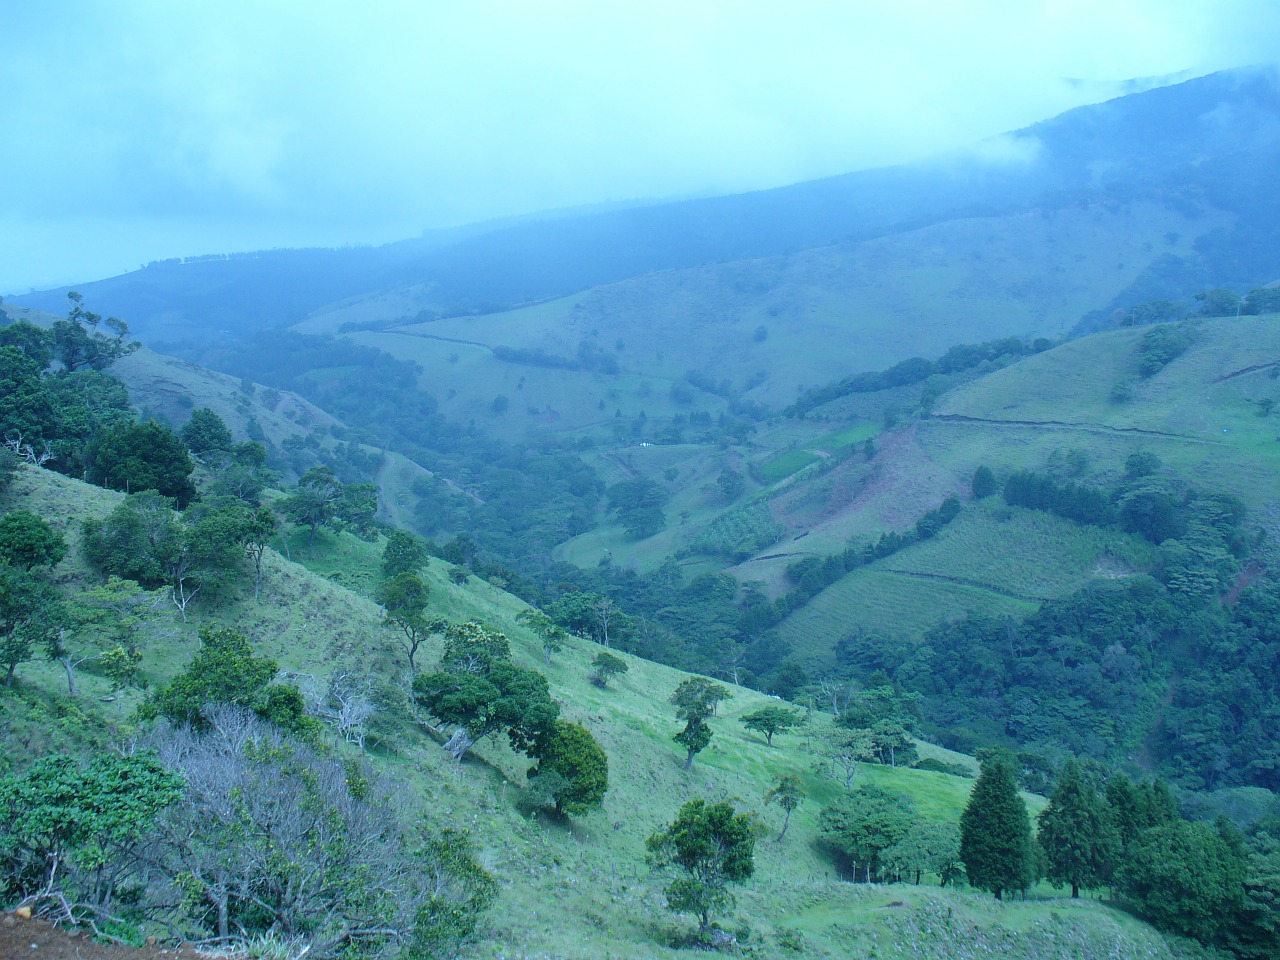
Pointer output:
x,y
1161,346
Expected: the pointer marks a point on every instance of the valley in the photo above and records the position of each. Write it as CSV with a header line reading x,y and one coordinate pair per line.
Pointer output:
x,y
515,547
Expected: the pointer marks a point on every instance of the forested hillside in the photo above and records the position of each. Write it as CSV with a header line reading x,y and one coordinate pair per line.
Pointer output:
x,y
170,672
872,565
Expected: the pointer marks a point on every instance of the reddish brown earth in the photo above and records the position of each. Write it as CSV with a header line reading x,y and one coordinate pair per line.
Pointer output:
x,y
34,939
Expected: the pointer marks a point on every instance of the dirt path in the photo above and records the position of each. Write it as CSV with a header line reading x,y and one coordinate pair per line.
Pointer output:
x,y
1065,425
38,940
432,336
1244,371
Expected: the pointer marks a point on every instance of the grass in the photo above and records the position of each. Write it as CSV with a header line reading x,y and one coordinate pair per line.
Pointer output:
x,y
1200,415
1025,554
169,389
568,889
784,465
840,439
875,599
826,312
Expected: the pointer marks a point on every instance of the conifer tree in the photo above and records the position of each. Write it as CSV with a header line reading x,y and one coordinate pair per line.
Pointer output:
x,y
1077,832
995,831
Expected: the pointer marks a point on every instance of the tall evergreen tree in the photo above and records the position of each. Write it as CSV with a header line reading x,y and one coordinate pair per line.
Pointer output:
x,y
1077,832
995,831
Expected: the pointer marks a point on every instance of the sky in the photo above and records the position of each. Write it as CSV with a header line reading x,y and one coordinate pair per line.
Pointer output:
x,y
135,130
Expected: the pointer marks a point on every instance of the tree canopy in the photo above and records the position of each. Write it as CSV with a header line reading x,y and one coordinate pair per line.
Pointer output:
x,y
479,691
144,456
771,720
574,755
226,671
708,846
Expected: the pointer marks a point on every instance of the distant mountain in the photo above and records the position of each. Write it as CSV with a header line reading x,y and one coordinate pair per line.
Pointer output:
x,y
1212,143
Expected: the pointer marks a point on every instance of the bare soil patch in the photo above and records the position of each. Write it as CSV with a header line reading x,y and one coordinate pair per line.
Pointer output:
x,y
37,940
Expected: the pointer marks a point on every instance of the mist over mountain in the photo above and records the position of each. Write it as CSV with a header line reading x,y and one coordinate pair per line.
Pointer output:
x,y
1211,144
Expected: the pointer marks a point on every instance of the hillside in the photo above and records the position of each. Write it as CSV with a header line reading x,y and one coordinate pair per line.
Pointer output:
x,y
1201,415
580,890
1206,147
766,328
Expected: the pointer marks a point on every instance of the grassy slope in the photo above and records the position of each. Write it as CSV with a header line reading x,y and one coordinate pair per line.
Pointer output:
x,y
580,890
1200,415
828,312
168,389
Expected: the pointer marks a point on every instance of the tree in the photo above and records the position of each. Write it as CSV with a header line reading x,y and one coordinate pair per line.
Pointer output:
x,y
771,720
605,667
403,553
8,467
358,509
31,611
26,413
1255,935
68,828
30,615
995,832
346,705
257,532
458,891
604,612
479,691
26,541
731,484
586,614
472,647
1219,302
844,748
243,474
984,483
1185,877
864,824
76,347
695,700
31,341
694,738
1261,300
927,846
102,625
209,549
314,502
135,540
1077,833
551,633
574,755
403,599
788,794
274,835
1134,808
225,671
143,456
206,435
707,847
891,743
